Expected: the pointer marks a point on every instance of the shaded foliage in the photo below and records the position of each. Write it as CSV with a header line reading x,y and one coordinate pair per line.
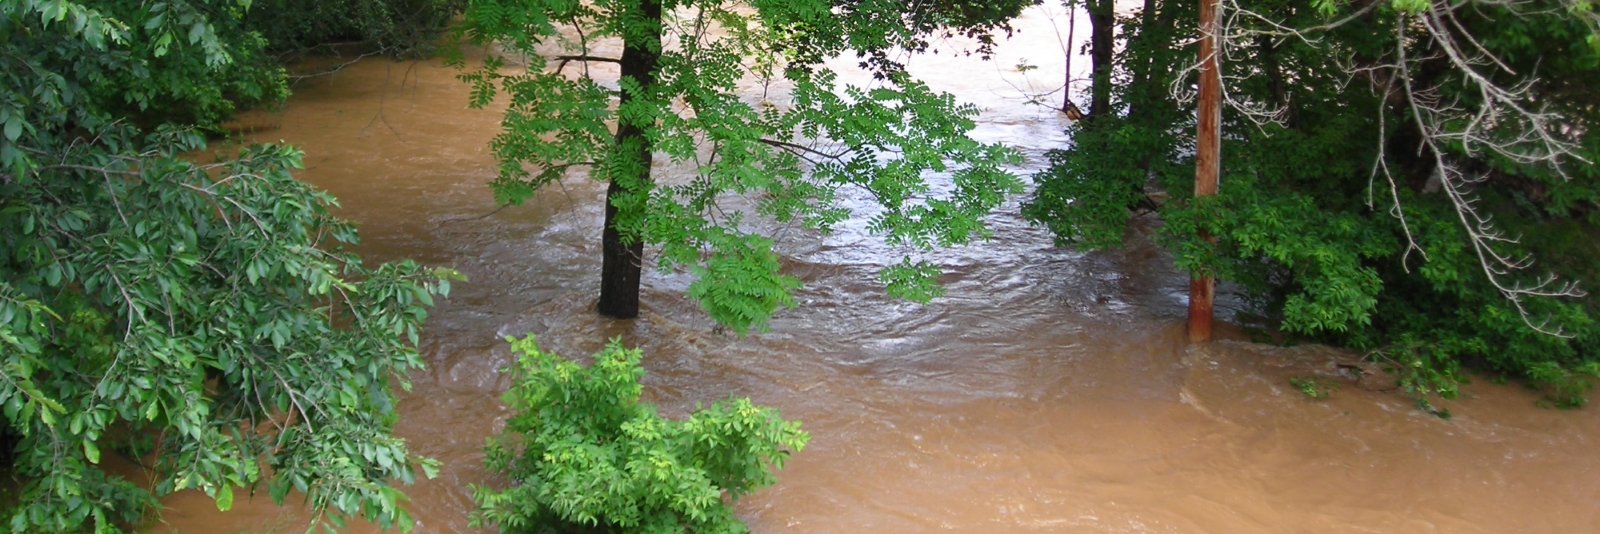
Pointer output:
x,y
187,63
400,27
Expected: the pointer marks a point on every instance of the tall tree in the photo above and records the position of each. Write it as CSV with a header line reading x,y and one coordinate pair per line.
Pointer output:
x,y
623,260
200,320
676,101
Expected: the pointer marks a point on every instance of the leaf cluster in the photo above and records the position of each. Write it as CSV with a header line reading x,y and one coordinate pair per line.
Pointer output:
x,y
583,454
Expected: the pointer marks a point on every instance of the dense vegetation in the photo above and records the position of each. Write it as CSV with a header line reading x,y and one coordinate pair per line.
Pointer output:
x,y
583,454
1404,177
201,321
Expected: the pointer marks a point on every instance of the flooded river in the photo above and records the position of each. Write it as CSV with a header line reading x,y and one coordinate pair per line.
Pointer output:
x,y
1050,390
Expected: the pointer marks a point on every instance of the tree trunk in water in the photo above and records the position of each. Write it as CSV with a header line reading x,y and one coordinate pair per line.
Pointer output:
x,y
1072,29
1207,156
622,261
1102,41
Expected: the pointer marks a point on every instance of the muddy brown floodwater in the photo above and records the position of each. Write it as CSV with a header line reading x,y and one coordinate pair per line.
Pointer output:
x,y
1049,391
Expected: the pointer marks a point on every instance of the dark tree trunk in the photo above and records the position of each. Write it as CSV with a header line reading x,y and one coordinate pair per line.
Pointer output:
x,y
1102,43
621,266
623,255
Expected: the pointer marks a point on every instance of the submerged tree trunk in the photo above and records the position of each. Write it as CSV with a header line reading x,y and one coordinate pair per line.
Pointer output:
x,y
623,255
1102,43
1207,161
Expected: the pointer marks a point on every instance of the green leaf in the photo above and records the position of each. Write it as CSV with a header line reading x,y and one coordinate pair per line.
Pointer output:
x,y
163,42
224,497
14,127
197,32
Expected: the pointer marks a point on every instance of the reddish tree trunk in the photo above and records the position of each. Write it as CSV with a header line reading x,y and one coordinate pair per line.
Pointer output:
x,y
1208,152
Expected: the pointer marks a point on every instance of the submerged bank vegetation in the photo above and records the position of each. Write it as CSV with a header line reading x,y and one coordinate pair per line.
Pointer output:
x,y
1415,180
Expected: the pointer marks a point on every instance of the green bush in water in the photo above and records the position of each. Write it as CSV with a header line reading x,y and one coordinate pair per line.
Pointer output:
x,y
584,455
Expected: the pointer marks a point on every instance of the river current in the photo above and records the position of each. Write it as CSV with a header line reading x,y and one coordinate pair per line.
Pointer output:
x,y
1050,390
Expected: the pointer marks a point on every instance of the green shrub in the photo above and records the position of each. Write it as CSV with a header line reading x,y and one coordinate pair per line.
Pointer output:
x,y
584,455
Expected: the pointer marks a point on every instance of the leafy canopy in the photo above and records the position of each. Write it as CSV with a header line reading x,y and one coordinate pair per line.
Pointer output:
x,y
787,160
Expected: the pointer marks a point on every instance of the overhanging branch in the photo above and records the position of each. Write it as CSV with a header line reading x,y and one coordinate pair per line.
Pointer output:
x,y
803,151
585,58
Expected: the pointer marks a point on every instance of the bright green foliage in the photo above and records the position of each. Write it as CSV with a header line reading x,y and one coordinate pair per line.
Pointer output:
x,y
203,320
795,157
584,455
1306,221
746,279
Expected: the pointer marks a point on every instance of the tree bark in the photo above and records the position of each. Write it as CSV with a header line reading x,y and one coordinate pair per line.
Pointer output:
x,y
1207,156
1102,44
622,263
